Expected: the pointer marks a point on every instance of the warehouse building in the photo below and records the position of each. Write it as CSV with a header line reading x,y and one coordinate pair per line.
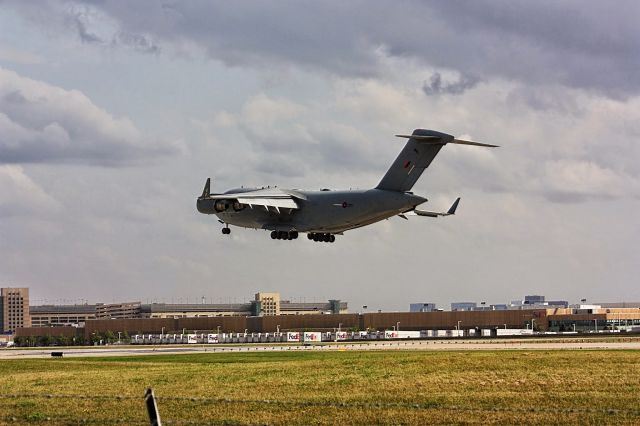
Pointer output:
x,y
466,323
264,304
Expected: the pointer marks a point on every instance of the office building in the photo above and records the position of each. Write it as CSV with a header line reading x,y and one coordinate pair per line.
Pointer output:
x,y
14,309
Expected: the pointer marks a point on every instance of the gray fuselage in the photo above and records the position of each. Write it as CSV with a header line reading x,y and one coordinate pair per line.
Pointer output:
x,y
321,211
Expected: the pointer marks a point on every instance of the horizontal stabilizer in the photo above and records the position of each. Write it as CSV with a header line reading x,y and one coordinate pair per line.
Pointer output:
x,y
463,142
441,141
452,210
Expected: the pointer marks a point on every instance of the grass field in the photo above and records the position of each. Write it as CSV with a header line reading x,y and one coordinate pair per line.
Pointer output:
x,y
350,387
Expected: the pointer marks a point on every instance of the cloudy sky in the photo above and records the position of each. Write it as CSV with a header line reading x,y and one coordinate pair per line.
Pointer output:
x,y
113,114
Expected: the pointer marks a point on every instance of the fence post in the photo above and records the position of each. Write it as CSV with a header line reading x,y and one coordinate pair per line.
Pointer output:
x,y
152,408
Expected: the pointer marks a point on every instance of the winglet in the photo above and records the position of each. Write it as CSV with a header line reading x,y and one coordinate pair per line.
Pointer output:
x,y
454,206
206,191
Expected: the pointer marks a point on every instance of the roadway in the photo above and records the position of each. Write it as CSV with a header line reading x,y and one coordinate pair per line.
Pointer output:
x,y
423,345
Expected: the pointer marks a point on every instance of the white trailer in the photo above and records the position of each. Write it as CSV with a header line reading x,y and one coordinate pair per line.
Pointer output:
x,y
341,335
291,336
402,334
311,337
391,334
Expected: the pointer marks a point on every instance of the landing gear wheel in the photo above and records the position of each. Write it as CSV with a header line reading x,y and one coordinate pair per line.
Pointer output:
x,y
226,231
332,238
293,235
274,235
326,238
310,235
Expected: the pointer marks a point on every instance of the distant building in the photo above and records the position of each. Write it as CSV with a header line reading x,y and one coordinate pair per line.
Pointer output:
x,y
533,300
118,310
463,306
61,315
422,307
14,309
194,310
308,308
267,303
538,302
620,305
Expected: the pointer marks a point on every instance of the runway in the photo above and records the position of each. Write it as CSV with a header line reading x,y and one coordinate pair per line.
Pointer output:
x,y
422,345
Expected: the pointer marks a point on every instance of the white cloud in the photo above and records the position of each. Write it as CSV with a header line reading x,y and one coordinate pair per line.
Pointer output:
x,y
21,196
42,123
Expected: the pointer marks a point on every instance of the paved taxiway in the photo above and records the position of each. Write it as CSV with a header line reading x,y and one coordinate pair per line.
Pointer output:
x,y
425,345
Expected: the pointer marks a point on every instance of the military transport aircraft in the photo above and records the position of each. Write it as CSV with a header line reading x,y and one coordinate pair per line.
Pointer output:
x,y
324,214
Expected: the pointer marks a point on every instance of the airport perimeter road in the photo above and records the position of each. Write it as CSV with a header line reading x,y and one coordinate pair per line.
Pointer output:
x,y
424,345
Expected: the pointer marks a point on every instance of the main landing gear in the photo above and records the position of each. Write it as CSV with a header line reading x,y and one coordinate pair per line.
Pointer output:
x,y
226,230
325,238
284,235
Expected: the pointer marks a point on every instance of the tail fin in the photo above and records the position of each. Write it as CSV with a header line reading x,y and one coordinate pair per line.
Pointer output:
x,y
420,150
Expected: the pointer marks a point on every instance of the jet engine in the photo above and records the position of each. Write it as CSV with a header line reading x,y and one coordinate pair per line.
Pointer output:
x,y
221,205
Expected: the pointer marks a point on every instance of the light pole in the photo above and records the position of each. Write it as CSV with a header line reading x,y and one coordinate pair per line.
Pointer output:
x,y
505,326
162,332
458,327
532,321
278,329
398,326
119,332
218,330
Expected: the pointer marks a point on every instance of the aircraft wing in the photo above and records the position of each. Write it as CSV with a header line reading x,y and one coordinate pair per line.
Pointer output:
x,y
270,197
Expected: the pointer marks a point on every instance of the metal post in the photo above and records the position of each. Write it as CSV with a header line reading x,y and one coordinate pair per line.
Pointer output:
x,y
152,408
398,326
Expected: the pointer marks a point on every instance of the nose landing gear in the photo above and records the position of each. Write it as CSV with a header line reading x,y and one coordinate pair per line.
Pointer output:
x,y
226,230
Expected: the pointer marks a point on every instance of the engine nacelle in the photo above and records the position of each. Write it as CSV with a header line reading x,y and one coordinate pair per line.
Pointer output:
x,y
221,205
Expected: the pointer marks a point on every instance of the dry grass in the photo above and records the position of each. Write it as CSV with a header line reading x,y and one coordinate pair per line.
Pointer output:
x,y
504,387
